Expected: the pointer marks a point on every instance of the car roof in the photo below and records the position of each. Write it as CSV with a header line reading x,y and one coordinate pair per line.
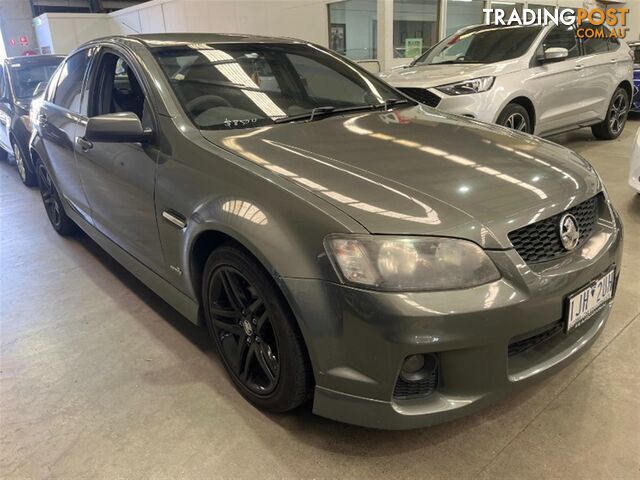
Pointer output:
x,y
152,40
33,59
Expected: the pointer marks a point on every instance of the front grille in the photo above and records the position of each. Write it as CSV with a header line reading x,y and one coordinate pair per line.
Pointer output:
x,y
525,344
422,95
407,390
540,241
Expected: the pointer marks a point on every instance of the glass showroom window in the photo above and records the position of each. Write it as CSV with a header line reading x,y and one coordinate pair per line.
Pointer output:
x,y
353,26
415,27
462,13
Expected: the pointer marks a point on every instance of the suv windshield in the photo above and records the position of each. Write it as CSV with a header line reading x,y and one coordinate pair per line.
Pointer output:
x,y
483,44
241,85
25,77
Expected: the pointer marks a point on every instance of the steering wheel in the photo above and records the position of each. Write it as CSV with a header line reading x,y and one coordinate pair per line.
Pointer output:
x,y
200,104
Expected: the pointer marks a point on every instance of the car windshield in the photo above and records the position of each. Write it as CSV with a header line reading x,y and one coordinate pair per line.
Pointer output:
x,y
25,77
483,44
226,86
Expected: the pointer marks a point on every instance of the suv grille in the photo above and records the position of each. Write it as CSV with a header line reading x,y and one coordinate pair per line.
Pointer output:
x,y
540,241
406,390
422,95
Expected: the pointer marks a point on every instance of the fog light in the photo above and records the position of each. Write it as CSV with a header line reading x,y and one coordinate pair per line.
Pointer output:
x,y
418,367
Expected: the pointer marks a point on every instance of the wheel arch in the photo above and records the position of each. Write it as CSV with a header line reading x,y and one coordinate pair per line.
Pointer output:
x,y
628,88
208,240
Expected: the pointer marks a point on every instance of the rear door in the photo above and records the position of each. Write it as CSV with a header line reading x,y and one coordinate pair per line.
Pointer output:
x,y
57,122
119,177
599,80
556,85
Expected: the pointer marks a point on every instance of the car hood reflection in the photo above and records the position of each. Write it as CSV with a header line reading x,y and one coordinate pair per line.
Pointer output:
x,y
418,171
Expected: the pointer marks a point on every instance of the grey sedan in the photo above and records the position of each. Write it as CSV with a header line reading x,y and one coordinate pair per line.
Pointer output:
x,y
399,265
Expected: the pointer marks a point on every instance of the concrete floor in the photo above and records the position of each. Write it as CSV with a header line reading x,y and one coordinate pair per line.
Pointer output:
x,y
100,378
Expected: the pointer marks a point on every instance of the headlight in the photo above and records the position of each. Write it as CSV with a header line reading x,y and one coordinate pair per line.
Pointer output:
x,y
410,263
476,85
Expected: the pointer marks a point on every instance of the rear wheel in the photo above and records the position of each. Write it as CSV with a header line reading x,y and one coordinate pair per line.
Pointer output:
x,y
253,329
60,222
26,175
613,125
515,117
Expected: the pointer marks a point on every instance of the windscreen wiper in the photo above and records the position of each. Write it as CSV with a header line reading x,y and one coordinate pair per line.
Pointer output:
x,y
309,116
320,112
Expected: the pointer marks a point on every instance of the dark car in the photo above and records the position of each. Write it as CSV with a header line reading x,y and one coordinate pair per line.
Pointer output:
x,y
635,104
19,79
400,265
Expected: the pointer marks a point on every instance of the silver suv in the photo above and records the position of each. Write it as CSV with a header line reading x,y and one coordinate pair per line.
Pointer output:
x,y
541,80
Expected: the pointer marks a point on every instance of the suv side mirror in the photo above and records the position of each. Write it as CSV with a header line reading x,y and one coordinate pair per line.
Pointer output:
x,y
115,127
555,54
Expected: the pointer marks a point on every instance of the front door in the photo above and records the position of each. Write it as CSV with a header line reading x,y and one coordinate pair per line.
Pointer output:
x,y
119,177
557,84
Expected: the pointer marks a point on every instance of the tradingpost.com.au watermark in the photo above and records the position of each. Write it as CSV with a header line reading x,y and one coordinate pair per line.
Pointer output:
x,y
589,23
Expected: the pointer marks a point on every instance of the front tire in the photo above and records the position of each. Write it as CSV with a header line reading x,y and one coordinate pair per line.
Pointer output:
x,y
60,222
613,124
26,175
254,330
515,117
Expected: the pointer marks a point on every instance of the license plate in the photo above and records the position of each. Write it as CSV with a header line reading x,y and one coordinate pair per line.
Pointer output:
x,y
587,301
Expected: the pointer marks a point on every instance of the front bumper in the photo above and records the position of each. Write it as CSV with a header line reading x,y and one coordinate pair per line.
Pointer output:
x,y
482,106
358,339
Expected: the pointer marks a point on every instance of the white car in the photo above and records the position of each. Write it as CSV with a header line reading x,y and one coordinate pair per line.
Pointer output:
x,y
634,171
541,80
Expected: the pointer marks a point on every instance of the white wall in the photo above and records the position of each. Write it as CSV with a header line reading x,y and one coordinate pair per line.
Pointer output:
x,y
62,32
15,22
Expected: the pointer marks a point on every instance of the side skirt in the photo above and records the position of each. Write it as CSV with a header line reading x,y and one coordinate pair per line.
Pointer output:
x,y
174,297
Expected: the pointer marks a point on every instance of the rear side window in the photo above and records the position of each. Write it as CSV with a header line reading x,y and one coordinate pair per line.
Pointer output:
x,y
2,82
70,78
597,44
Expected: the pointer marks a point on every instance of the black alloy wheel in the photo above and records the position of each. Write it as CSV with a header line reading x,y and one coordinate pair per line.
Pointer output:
x,y
614,123
252,326
55,211
243,328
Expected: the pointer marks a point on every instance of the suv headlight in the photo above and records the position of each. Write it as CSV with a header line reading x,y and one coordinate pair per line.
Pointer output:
x,y
476,85
409,263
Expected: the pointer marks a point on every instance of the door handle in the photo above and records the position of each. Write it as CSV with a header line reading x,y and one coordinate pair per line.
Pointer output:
x,y
613,60
42,120
84,144
578,67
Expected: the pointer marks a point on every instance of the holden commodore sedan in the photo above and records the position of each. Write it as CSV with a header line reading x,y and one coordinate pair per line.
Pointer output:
x,y
399,265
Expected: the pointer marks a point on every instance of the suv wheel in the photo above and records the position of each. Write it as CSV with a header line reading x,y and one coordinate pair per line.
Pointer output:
x,y
252,326
60,222
613,124
26,175
515,117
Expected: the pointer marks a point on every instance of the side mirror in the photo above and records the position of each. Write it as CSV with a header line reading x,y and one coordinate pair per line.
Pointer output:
x,y
116,127
555,54
40,88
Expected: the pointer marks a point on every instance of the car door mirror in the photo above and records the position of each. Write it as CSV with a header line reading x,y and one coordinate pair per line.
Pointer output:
x,y
116,127
555,54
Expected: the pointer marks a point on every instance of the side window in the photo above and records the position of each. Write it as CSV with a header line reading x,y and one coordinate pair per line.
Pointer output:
x,y
562,36
597,44
614,43
70,78
118,90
